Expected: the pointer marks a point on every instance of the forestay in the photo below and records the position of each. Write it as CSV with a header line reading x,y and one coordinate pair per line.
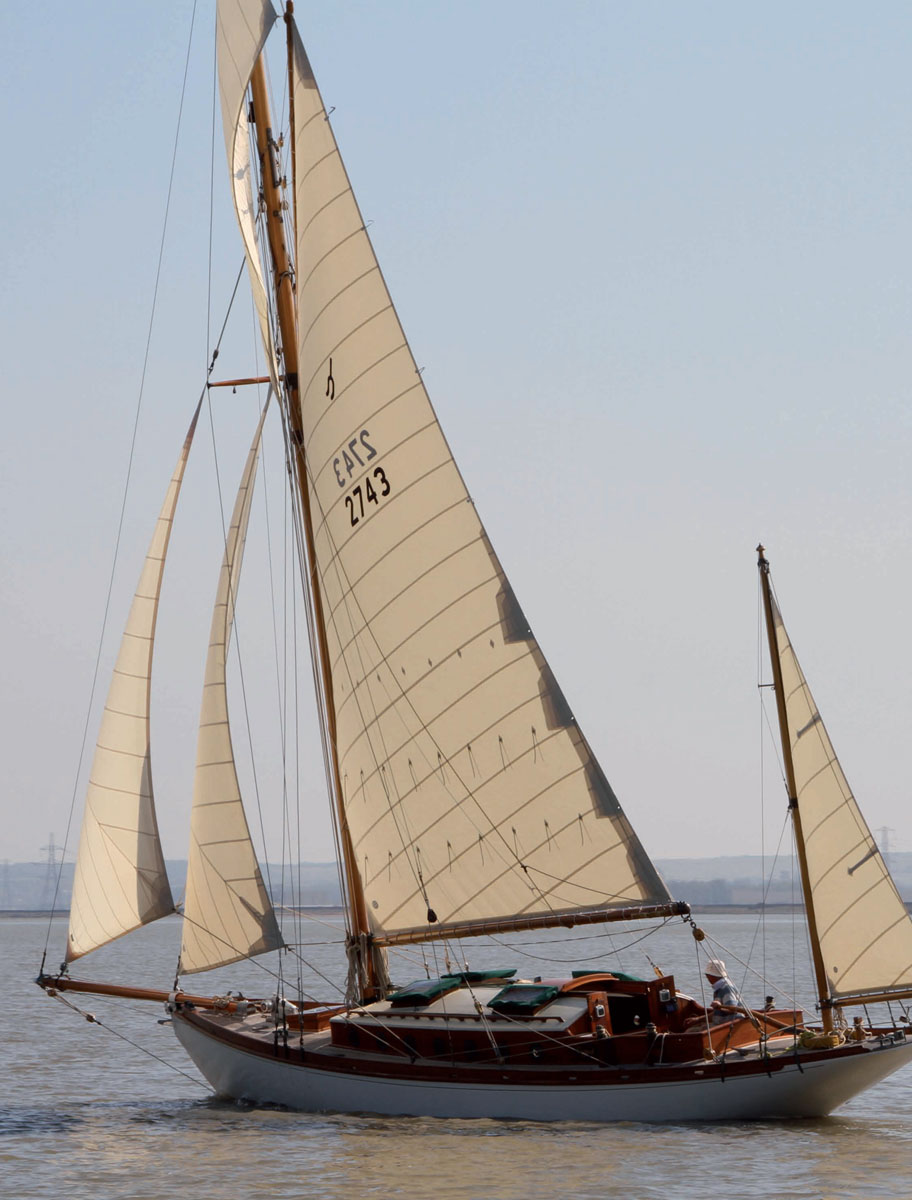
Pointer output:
x,y
864,930
468,788
120,881
227,912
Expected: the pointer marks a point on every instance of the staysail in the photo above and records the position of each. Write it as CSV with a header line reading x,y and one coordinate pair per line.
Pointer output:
x,y
120,880
864,929
227,912
469,791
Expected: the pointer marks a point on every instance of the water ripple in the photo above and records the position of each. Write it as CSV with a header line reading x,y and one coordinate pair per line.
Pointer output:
x,y
114,1124
35,1121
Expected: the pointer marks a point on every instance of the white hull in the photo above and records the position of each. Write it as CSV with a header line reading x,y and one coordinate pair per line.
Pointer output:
x,y
815,1088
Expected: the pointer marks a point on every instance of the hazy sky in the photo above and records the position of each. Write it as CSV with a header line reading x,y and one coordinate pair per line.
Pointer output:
x,y
655,262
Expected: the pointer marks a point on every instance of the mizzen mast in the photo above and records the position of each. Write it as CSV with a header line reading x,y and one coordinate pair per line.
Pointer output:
x,y
823,989
272,185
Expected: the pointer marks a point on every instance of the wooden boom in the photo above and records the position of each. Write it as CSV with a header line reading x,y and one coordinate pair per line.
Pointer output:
x,y
62,983
552,920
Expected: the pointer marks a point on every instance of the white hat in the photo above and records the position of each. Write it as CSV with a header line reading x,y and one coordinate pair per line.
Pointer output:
x,y
716,967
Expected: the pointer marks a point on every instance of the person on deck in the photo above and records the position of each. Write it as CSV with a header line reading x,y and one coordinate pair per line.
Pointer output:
x,y
724,995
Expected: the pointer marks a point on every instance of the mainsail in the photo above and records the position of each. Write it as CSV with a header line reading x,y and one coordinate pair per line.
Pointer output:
x,y
227,912
120,880
864,929
468,789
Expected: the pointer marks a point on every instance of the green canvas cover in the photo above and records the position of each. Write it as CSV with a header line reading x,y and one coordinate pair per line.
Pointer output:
x,y
518,999
481,976
423,991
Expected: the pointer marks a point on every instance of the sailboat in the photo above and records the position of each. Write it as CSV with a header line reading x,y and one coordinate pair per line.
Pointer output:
x,y
465,797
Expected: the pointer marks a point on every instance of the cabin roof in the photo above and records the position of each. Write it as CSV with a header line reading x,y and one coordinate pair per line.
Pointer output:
x,y
461,1005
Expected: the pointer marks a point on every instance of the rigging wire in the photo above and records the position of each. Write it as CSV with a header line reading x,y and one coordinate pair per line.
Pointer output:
x,y
256,961
282,151
232,584
518,947
237,639
129,474
282,671
720,949
297,725
297,525
94,1020
280,674
761,919
700,977
322,716
212,136
281,663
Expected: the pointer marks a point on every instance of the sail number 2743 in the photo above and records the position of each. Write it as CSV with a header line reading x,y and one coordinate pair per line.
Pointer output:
x,y
374,484
354,501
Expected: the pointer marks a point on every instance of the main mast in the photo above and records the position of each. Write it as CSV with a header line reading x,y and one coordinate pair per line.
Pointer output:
x,y
272,183
823,990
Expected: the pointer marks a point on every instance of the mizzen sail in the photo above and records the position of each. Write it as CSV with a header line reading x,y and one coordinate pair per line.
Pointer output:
x,y
120,880
227,912
864,929
469,790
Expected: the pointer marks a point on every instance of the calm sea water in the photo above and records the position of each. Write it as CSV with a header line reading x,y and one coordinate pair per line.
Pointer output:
x,y
86,1114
